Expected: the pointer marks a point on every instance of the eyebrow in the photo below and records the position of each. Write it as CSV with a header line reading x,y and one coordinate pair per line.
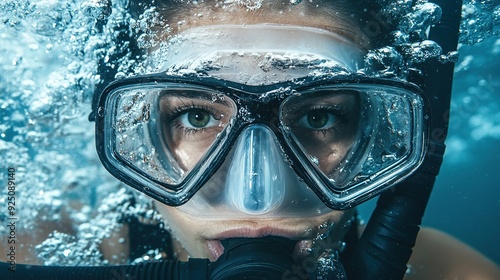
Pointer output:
x,y
208,96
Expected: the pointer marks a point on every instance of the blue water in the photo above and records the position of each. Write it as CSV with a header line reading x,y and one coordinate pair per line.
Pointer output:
x,y
466,199
48,51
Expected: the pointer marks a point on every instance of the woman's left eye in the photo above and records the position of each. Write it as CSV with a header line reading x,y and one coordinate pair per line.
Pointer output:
x,y
318,119
197,119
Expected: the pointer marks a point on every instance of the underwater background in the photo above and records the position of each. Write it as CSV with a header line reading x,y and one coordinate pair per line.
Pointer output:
x,y
466,198
48,54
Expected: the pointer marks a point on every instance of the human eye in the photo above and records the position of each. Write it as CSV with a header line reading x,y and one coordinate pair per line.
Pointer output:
x,y
319,119
198,118
191,122
192,119
326,115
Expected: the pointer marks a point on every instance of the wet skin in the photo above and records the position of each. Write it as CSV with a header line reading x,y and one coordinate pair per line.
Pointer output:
x,y
200,237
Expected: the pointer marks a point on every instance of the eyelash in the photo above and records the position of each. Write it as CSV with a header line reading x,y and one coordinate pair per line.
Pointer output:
x,y
338,111
174,114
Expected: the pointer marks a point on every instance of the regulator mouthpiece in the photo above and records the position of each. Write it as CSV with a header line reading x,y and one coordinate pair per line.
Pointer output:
x,y
254,258
266,258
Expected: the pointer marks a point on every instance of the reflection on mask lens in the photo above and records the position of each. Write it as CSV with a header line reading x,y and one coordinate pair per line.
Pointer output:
x,y
353,133
190,123
325,124
165,132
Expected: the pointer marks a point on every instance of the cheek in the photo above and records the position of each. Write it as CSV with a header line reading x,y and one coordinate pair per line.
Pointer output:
x,y
183,230
188,150
330,156
188,154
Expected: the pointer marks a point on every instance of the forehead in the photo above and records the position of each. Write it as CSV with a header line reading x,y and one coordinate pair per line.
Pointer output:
x,y
327,17
258,54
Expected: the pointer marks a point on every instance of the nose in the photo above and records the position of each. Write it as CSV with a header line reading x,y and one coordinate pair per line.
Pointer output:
x,y
255,183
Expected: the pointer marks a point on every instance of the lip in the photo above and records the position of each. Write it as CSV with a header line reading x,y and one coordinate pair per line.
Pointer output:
x,y
216,249
255,232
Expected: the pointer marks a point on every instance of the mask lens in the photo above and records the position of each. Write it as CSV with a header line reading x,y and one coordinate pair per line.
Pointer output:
x,y
325,125
354,135
164,131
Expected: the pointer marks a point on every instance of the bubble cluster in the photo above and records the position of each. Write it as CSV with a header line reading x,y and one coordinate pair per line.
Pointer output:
x,y
48,60
480,20
97,9
411,45
248,4
81,247
64,249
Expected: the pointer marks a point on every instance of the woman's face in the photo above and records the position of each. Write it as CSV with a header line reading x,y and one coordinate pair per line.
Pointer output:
x,y
200,237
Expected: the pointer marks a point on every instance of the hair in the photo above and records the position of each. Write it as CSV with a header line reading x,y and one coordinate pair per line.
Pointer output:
x,y
357,20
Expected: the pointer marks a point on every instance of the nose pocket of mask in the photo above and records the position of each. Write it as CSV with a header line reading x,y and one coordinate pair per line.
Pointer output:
x,y
254,182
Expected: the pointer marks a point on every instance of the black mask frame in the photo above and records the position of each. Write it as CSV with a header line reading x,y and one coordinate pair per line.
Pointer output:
x,y
262,103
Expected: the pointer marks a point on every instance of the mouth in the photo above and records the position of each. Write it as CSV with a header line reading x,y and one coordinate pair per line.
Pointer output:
x,y
302,248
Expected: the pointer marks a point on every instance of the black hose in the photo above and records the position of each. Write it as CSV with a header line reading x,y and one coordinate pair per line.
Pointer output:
x,y
154,270
244,258
387,241
386,244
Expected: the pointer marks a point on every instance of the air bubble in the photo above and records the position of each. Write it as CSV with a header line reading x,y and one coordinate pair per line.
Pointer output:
x,y
101,111
97,9
451,57
421,51
314,160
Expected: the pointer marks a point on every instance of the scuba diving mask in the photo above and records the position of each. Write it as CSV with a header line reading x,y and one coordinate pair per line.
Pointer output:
x,y
346,139
229,134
